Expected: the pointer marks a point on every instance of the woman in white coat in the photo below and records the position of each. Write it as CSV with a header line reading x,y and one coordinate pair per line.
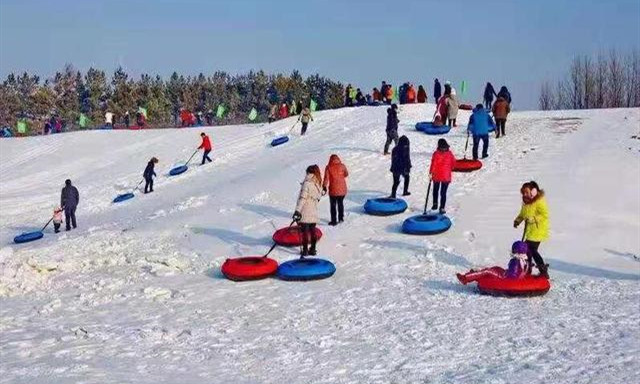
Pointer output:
x,y
306,214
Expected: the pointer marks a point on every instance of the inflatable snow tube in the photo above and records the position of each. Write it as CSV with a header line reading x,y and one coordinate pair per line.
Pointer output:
x,y
123,197
430,224
527,286
306,269
430,129
279,140
466,107
249,268
291,236
467,165
385,206
178,170
28,236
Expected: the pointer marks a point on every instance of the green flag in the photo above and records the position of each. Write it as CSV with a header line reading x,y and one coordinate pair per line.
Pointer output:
x,y
313,105
143,111
463,87
220,111
83,120
22,126
395,95
253,114
352,93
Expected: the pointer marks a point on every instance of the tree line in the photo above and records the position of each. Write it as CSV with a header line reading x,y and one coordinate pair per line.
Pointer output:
x,y
71,93
609,80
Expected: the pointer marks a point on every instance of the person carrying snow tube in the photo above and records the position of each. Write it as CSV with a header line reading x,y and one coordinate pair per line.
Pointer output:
x,y
206,146
306,213
69,199
149,174
535,214
305,117
422,94
518,267
392,127
489,93
400,166
479,124
335,179
442,162
500,111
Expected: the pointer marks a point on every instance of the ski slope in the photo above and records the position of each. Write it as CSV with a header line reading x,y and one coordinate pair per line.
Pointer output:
x,y
135,293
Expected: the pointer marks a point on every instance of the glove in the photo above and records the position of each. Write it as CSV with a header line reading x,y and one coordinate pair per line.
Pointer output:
x,y
297,216
516,223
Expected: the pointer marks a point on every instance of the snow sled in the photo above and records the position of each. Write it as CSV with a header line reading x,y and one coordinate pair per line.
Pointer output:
x,y
304,269
385,206
28,236
291,236
249,268
467,165
123,197
430,129
279,140
178,170
466,107
429,224
527,286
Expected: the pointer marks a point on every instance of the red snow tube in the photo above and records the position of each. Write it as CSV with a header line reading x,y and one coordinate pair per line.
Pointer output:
x,y
291,236
467,165
249,268
527,286
466,107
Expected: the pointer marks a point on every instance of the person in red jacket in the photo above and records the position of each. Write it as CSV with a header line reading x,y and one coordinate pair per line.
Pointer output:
x,y
422,94
376,95
284,111
411,94
442,163
335,177
206,145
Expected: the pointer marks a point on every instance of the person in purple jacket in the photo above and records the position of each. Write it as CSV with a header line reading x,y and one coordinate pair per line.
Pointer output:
x,y
518,267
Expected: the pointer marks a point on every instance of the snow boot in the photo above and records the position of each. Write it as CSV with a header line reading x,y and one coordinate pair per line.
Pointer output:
x,y
544,270
333,223
406,193
461,278
313,251
304,252
442,211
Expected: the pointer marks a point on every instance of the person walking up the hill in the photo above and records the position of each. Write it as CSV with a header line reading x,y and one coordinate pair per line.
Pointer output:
x,y
335,179
422,94
57,219
442,162
392,127
437,90
206,146
69,199
401,166
149,174
479,124
306,213
535,214
127,119
273,113
500,111
504,93
452,108
347,96
305,117
489,93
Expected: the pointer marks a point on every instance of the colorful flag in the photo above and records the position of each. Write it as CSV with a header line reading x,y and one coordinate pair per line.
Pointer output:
x,y
220,111
395,95
313,105
352,93
253,114
83,120
22,126
143,111
463,87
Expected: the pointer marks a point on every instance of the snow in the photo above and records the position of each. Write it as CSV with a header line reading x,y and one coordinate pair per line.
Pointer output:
x,y
135,294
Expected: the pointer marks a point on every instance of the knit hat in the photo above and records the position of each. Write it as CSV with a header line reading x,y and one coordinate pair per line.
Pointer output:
x,y
442,144
519,247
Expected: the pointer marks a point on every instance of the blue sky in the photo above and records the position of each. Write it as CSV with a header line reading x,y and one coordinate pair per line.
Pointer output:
x,y
516,43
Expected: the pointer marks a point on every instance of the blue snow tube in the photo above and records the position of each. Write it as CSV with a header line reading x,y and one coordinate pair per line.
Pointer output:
x,y
385,206
123,197
306,269
279,140
430,224
178,170
430,129
28,236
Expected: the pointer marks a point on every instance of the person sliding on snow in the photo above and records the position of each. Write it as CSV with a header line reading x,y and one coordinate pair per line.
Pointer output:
x,y
500,111
518,267
305,117
335,178
306,213
57,219
535,214
148,175
479,124
392,127
442,162
69,199
206,145
400,166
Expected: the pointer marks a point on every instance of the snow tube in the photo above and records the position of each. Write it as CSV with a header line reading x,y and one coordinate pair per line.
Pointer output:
x,y
527,286
291,236
430,224
376,103
249,268
466,107
385,206
279,140
28,236
123,197
178,170
430,129
467,165
306,269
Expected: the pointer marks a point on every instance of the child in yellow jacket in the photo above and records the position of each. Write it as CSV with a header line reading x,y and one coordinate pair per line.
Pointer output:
x,y
535,214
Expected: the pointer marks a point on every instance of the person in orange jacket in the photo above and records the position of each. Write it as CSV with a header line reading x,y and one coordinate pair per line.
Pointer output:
x,y
442,162
206,145
376,95
388,94
411,94
335,178
422,94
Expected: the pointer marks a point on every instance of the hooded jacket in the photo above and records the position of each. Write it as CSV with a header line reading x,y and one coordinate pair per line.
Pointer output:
x,y
442,163
401,157
69,197
535,214
452,106
392,120
307,204
501,108
335,177
480,122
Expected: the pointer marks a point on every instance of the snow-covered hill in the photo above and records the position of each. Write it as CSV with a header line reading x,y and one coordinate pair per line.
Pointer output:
x,y
135,294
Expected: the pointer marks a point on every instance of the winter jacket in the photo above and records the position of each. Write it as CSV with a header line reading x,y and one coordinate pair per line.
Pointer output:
x,y
452,106
480,122
504,93
501,108
536,217
388,94
392,120
108,118
517,268
422,95
57,216
401,159
437,91
206,143
441,109
69,198
442,163
376,95
148,171
284,111
306,116
335,177
489,92
272,111
307,205
411,95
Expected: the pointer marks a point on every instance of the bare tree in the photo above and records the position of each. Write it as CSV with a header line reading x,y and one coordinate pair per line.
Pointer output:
x,y
546,101
615,80
574,86
632,74
600,81
588,83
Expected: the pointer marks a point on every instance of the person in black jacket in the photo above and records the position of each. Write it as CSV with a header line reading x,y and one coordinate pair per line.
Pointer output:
x,y
69,199
148,175
504,93
392,127
489,93
400,166
437,90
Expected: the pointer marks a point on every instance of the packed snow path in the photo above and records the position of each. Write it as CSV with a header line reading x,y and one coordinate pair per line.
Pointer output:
x,y
135,294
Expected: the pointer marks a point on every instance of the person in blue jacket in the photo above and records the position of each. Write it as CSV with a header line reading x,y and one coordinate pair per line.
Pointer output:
x,y
479,124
